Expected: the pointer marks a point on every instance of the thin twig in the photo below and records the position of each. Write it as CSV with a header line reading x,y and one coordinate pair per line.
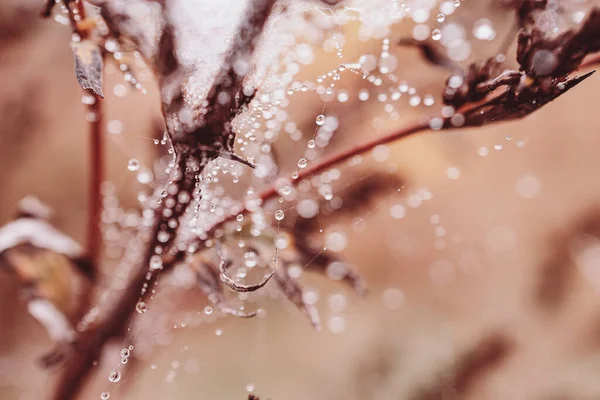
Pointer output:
x,y
328,162
96,152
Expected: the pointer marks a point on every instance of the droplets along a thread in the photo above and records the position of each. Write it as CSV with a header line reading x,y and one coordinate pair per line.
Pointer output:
x,y
114,376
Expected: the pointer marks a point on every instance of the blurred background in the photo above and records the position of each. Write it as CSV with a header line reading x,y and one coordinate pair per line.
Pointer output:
x,y
483,270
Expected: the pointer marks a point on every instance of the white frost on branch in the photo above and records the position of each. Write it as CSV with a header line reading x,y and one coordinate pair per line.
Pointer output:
x,y
40,234
54,321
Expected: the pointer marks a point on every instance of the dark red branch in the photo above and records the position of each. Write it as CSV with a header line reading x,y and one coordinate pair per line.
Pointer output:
x,y
96,177
329,162
194,150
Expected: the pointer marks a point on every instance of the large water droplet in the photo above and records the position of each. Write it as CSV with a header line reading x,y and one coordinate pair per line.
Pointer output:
x,y
141,307
279,214
320,119
250,259
114,376
133,164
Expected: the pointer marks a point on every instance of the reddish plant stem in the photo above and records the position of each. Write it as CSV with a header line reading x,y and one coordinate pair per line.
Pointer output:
x,y
332,160
328,162
90,343
96,152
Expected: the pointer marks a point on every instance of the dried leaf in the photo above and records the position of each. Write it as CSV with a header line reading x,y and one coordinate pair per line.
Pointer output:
x,y
543,56
524,9
469,367
88,65
431,53
557,271
509,105
353,200
294,292
45,261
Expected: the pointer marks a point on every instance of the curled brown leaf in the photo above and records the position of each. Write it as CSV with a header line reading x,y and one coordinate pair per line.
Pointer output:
x,y
88,65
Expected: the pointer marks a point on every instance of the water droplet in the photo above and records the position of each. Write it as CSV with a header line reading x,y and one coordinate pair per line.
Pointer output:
x,y
114,126
250,259
155,262
436,34
279,214
141,307
144,176
240,217
320,119
114,376
133,164
508,137
302,163
336,324
125,353
208,310
250,387
124,360
483,29
441,17
453,173
392,298
104,396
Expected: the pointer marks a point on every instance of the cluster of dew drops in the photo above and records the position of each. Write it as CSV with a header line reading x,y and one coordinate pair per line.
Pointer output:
x,y
267,120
